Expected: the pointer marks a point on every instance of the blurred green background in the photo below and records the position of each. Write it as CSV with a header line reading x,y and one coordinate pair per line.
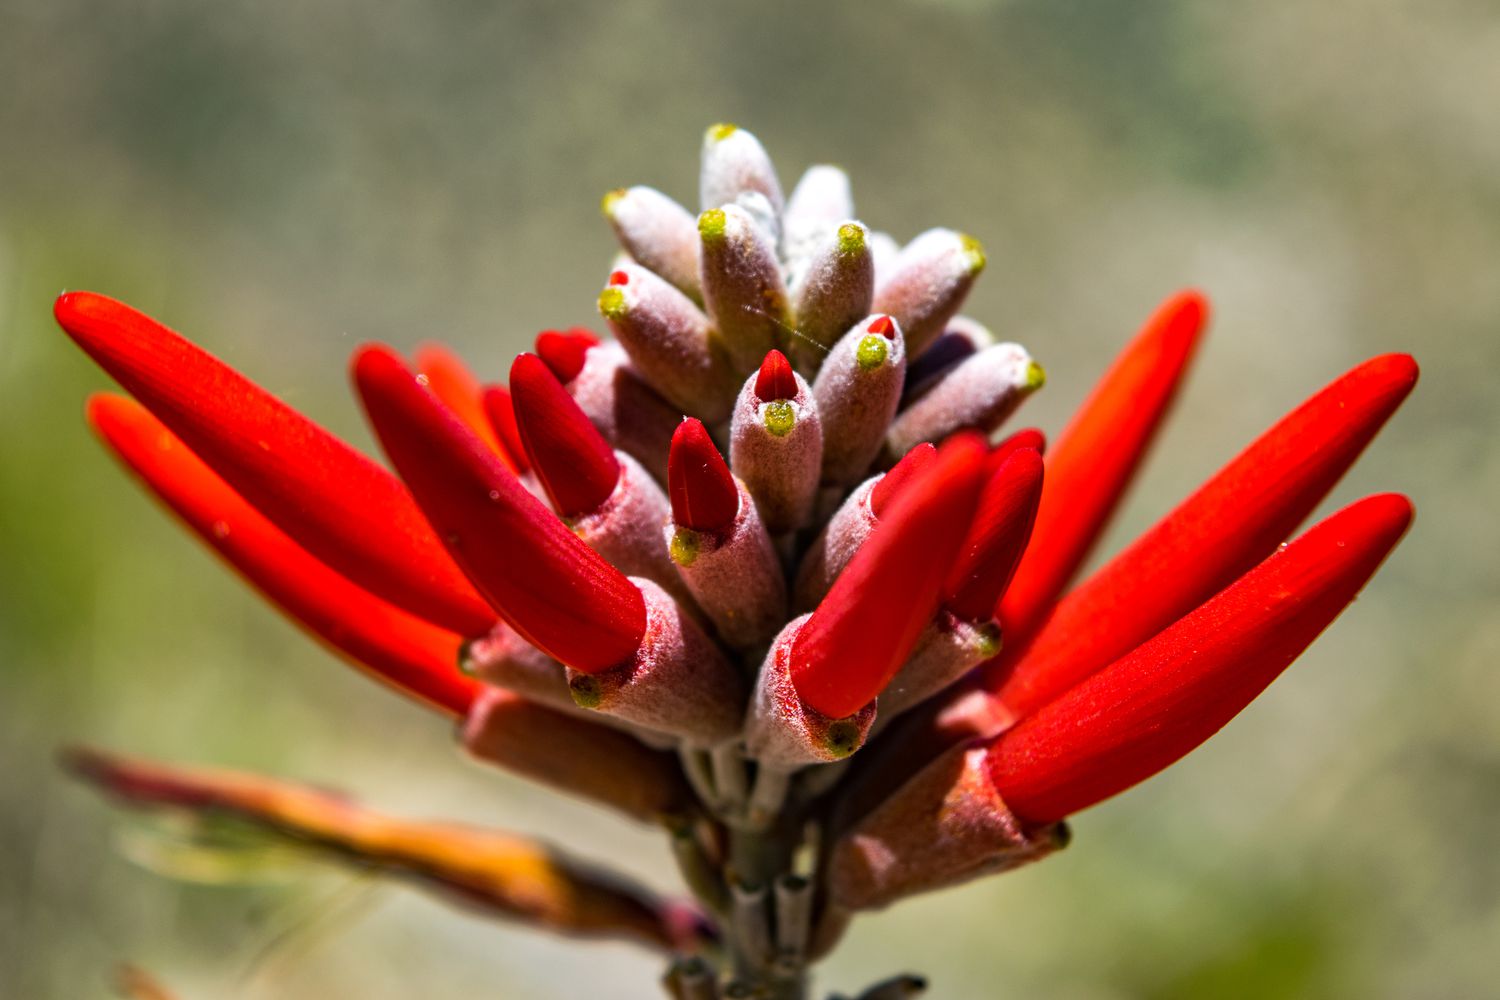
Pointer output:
x,y
285,180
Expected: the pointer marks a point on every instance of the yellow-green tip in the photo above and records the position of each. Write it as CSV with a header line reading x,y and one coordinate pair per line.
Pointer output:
x,y
851,239
1036,376
780,417
973,252
871,352
841,738
610,200
711,224
587,692
684,546
612,303
721,131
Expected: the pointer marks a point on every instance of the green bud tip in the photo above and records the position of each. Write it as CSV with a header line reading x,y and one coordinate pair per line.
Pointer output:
x,y
780,417
851,239
721,131
711,225
871,352
611,199
841,738
1036,376
587,692
973,252
989,640
612,303
684,546
466,658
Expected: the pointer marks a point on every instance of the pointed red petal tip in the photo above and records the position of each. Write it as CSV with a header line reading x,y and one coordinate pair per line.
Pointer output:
x,y
452,382
992,549
775,379
883,326
399,649
501,412
619,278
913,464
576,465
1028,437
1095,458
1154,705
1234,520
866,626
704,496
339,505
549,586
565,351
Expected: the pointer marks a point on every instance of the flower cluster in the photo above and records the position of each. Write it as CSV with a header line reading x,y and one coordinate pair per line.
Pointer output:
x,y
763,569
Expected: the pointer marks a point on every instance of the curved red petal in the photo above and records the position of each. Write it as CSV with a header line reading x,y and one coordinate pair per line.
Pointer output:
x,y
501,412
1095,458
1232,521
406,652
1027,437
547,584
774,380
866,626
990,552
704,497
576,465
339,505
451,381
913,464
565,351
1151,707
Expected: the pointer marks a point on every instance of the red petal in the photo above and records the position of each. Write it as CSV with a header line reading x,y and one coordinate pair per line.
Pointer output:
x,y
410,654
992,549
704,497
343,508
913,464
501,411
1095,458
1028,437
1151,707
452,382
565,351
866,626
1232,521
775,380
549,586
576,465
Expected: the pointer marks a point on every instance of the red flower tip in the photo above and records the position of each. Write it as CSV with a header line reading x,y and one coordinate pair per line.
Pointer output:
x,y
452,382
343,508
1028,437
575,463
1152,706
1095,458
1234,520
501,411
554,590
1002,526
404,651
866,626
884,326
619,278
890,485
565,351
704,496
775,379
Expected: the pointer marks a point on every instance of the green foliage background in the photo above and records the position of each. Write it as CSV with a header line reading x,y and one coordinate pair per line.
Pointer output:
x,y
284,180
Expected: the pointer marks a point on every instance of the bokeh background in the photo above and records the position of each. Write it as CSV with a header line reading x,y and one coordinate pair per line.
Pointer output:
x,y
284,180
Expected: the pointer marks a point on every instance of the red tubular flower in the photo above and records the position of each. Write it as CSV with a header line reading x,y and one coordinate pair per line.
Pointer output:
x,y
864,629
1028,437
1230,523
1096,456
565,351
549,586
339,505
989,554
406,652
775,380
451,381
1152,706
500,409
704,496
913,464
577,467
